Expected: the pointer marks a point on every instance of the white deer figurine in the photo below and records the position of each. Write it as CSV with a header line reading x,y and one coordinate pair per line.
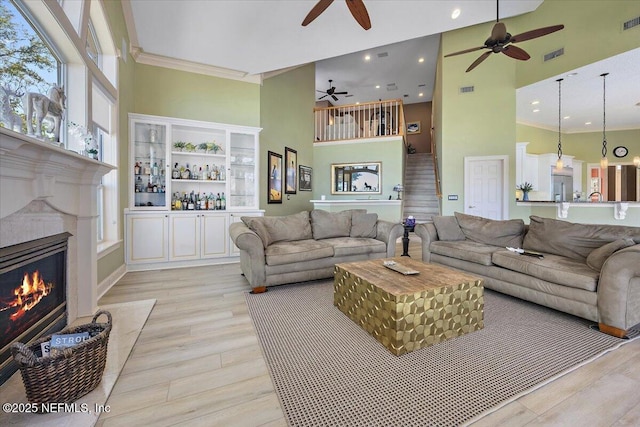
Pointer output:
x,y
9,118
42,106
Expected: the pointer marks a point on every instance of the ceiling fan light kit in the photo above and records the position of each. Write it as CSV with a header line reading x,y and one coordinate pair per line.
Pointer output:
x,y
559,164
501,41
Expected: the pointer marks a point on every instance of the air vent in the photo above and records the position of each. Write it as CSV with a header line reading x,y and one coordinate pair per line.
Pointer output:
x,y
392,86
383,54
551,55
631,23
348,96
467,89
406,95
422,85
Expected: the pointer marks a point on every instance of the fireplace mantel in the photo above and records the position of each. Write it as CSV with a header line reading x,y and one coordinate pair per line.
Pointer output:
x,y
37,171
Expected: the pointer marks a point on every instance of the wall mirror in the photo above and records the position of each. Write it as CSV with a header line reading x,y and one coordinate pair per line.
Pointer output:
x,y
356,178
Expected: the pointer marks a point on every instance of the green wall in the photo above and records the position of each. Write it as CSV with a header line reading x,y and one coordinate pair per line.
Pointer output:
x,y
114,260
286,105
390,152
483,122
167,92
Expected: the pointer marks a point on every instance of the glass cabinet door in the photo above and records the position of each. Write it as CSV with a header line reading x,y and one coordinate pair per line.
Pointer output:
x,y
242,172
149,160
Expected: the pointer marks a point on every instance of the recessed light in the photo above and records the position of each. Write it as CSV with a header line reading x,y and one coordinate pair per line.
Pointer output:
x,y
377,86
455,13
536,110
566,117
367,57
421,94
535,102
358,103
420,59
587,123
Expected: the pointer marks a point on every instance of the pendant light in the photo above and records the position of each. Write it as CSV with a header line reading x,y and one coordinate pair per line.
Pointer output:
x,y
604,162
559,164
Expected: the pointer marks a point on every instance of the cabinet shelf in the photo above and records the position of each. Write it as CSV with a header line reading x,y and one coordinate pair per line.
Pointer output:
x,y
194,153
200,181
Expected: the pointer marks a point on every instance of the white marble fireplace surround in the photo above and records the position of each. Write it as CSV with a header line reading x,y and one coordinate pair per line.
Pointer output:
x,y
45,190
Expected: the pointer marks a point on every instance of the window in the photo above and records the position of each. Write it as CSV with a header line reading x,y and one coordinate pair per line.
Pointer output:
x,y
27,61
88,74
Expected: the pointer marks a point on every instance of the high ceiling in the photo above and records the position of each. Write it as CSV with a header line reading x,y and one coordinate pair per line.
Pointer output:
x,y
250,38
582,97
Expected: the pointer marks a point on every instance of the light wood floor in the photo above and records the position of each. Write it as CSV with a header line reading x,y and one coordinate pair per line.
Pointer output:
x,y
198,362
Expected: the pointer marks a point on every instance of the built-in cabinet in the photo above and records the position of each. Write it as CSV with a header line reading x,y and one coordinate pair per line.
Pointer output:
x,y
210,168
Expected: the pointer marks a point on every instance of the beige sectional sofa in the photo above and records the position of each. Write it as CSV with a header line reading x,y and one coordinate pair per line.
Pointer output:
x,y
305,246
588,270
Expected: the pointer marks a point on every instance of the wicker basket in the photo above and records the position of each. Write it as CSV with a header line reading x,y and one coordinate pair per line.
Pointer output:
x,y
69,375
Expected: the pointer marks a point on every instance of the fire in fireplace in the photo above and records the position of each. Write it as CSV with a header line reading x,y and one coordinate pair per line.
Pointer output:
x,y
32,293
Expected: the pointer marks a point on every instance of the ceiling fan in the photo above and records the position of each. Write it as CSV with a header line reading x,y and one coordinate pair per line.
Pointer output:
x,y
357,8
501,41
331,92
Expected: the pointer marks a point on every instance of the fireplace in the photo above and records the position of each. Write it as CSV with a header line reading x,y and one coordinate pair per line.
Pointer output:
x,y
33,288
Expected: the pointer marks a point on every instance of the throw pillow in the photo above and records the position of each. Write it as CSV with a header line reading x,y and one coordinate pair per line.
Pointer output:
x,y
288,228
448,228
364,225
330,224
573,240
597,257
490,231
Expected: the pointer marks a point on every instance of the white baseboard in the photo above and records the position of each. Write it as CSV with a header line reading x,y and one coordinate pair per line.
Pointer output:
x,y
111,280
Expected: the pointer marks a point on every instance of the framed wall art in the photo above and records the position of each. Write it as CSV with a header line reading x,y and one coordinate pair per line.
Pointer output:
x,y
274,189
413,128
305,175
291,170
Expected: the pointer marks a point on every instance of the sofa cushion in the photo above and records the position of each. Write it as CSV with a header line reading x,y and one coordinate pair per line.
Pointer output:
x,y
465,250
280,228
572,240
551,268
490,231
346,246
448,228
330,224
597,257
297,251
364,225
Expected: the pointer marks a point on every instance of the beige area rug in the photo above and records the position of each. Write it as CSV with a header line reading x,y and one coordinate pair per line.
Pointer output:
x,y
128,321
328,371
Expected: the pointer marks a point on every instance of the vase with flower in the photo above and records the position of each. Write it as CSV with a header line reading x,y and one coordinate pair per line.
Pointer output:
x,y
525,187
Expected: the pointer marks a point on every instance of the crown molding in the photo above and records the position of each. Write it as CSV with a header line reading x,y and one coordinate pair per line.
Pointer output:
x,y
196,67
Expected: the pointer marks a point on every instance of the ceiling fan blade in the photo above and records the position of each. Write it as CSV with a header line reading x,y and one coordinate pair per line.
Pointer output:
x,y
335,98
473,49
515,52
316,11
340,93
499,31
322,97
479,60
321,91
536,33
359,12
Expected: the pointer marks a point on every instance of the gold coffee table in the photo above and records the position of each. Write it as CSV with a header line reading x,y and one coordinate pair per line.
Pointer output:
x,y
408,312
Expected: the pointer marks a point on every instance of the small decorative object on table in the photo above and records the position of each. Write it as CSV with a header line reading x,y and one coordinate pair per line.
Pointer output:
x,y
392,265
72,372
526,187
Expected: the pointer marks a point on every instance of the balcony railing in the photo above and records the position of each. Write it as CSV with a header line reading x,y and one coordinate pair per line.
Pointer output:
x,y
367,120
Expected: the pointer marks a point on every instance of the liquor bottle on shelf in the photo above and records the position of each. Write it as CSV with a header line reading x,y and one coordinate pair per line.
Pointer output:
x,y
139,184
218,202
185,201
202,174
136,169
185,173
175,173
147,168
203,201
194,172
155,171
223,202
223,174
191,202
212,202
207,173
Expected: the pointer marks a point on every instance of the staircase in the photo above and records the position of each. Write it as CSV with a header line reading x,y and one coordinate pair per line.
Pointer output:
x,y
420,198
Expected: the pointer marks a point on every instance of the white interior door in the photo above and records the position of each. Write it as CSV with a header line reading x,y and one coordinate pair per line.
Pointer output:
x,y
485,192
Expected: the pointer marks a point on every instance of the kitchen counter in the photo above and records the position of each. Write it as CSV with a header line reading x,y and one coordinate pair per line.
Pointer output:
x,y
619,208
